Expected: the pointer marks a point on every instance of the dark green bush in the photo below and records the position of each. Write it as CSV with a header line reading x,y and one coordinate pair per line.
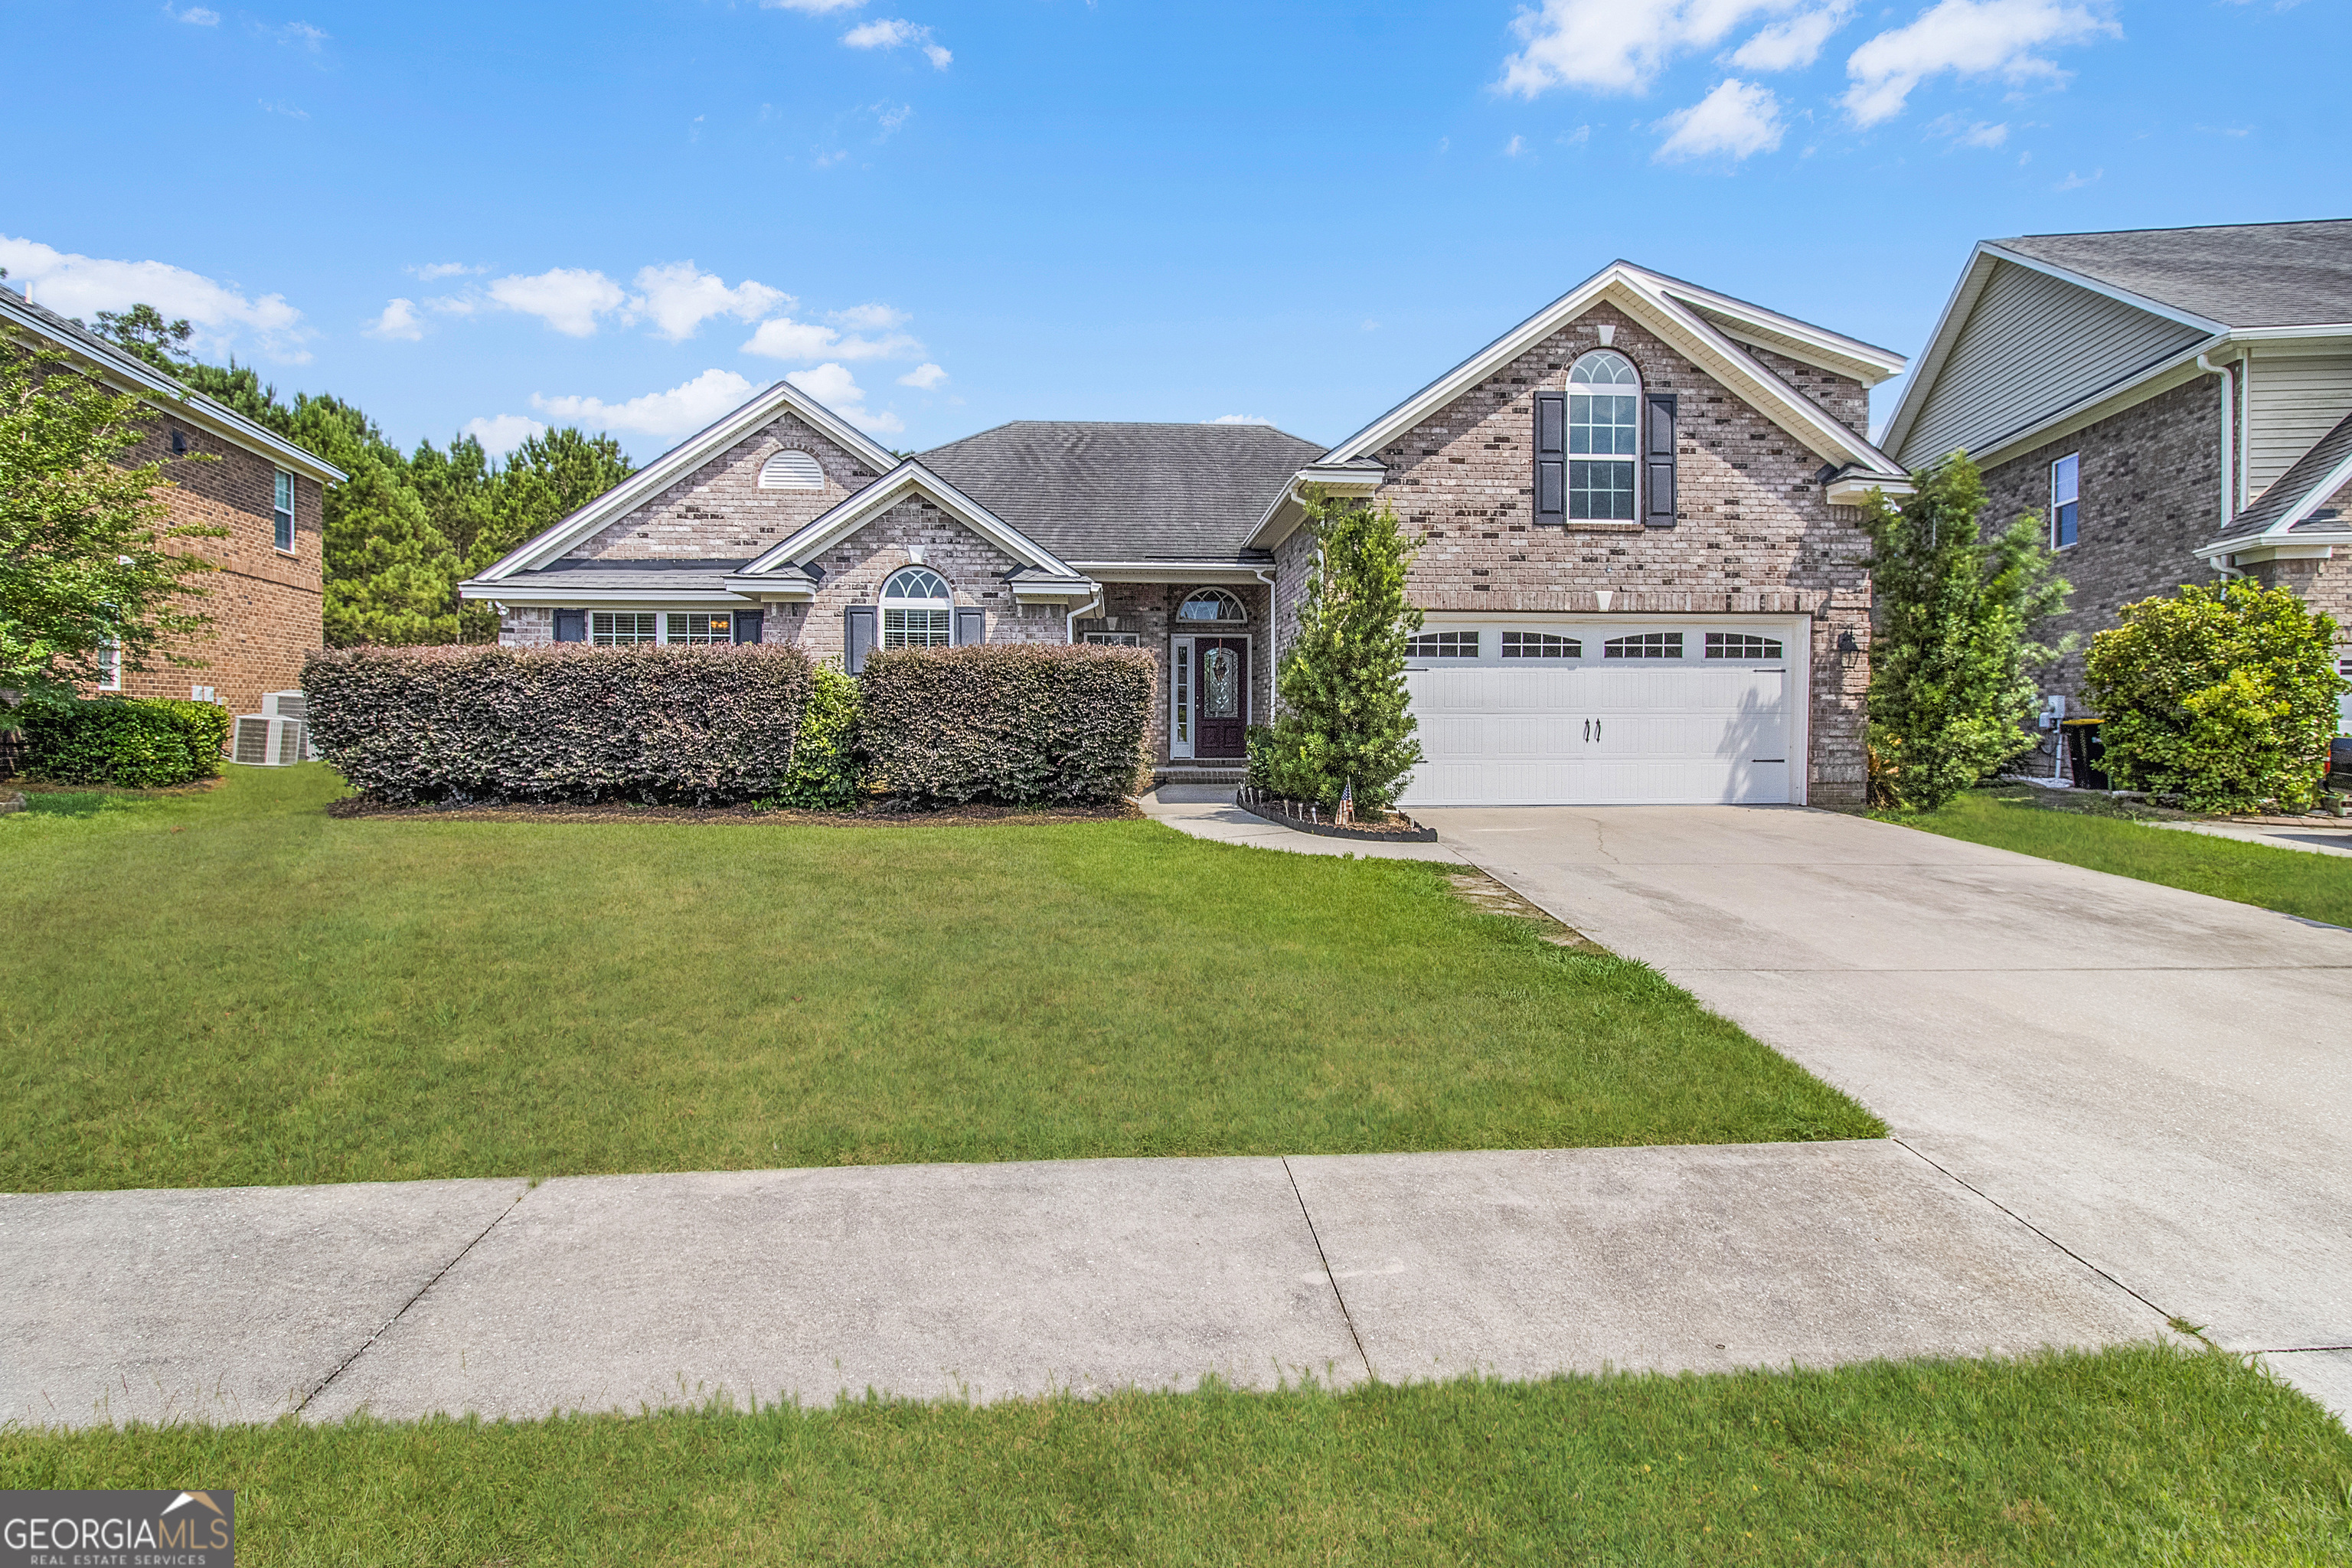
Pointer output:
x,y
1018,723
699,726
827,772
131,742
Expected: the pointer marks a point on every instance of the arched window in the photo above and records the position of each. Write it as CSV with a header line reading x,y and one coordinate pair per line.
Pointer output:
x,y
790,470
918,610
1604,398
1211,605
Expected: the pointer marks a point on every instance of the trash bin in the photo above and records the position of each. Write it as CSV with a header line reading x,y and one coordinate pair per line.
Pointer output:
x,y
2083,750
2339,762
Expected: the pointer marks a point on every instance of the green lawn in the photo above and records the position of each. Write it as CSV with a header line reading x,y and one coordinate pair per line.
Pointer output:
x,y
233,987
2133,1455
2097,835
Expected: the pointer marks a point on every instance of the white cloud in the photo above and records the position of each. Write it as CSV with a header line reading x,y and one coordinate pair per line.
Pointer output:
x,y
786,339
568,299
83,285
301,34
1793,43
923,378
869,318
1968,37
1237,419
682,409
287,109
194,15
2075,181
812,7
679,298
1618,45
892,34
1738,120
890,119
433,272
1983,135
1515,146
833,386
398,321
502,433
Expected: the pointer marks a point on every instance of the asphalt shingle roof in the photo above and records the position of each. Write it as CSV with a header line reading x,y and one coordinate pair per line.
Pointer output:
x,y
2242,275
2291,489
1093,490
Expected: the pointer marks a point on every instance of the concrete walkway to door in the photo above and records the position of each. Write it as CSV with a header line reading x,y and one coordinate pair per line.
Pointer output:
x,y
2158,1082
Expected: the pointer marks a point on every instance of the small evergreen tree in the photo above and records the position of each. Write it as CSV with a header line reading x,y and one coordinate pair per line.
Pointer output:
x,y
2224,695
1344,719
1951,669
390,578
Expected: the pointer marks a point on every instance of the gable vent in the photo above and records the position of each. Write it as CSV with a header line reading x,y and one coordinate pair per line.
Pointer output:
x,y
790,471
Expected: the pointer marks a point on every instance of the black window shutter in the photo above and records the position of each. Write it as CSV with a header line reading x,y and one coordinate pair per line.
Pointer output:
x,y
1658,491
1551,456
971,626
570,626
746,625
857,636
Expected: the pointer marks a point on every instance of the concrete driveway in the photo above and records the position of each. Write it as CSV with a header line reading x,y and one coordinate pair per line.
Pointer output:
x,y
2158,1082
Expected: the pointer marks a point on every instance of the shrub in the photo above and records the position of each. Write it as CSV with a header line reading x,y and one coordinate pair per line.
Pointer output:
x,y
699,726
131,743
827,772
1344,718
2224,695
1951,667
1022,724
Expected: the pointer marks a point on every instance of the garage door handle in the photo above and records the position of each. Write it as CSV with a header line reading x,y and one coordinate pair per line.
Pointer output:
x,y
1588,728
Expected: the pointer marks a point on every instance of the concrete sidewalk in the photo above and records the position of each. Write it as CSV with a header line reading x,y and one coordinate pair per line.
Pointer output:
x,y
1207,811
620,1292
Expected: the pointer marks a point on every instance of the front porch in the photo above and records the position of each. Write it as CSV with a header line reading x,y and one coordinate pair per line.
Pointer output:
x,y
1211,643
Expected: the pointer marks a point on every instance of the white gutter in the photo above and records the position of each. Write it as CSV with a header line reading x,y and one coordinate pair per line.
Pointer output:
x,y
1070,621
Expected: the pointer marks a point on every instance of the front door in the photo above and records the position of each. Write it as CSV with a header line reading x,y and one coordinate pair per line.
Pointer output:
x,y
1223,664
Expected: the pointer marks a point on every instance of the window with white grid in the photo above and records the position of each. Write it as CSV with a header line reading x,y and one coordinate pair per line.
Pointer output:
x,y
1443,645
1541,644
1647,644
1739,645
918,610
623,629
696,627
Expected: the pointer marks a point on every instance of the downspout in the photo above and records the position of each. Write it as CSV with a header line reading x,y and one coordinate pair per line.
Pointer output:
x,y
2229,433
1070,621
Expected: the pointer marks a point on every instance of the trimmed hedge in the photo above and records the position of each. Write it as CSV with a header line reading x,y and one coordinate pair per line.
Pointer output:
x,y
131,742
1017,723
695,726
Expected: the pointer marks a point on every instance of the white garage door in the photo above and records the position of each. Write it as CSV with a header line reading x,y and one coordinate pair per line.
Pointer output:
x,y
1597,713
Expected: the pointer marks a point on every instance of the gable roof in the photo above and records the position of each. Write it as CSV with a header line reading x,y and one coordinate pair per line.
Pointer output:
x,y
780,398
1702,325
909,478
1107,490
2287,506
129,371
2234,275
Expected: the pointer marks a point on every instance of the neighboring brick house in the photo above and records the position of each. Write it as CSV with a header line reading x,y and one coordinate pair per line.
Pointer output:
x,y
2176,403
268,493
1638,550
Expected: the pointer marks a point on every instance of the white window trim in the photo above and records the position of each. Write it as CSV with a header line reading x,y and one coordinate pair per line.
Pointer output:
x,y
885,602
293,513
112,652
1568,457
2076,458
1227,594
1181,720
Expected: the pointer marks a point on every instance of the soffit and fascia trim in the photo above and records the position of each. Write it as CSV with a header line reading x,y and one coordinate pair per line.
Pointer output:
x,y
853,512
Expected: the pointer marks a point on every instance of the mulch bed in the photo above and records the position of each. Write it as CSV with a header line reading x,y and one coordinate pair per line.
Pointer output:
x,y
876,813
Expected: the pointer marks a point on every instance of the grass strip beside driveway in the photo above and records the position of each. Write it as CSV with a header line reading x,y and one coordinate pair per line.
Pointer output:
x,y
2314,887
233,987
2139,1455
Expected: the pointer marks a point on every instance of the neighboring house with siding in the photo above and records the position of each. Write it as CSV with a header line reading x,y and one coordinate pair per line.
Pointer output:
x,y
2177,403
1639,551
266,492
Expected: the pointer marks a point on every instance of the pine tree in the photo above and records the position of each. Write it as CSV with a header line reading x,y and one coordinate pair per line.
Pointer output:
x,y
1951,669
1344,719
390,578
549,477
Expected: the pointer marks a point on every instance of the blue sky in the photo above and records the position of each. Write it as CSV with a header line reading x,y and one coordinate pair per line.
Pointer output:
x,y
940,216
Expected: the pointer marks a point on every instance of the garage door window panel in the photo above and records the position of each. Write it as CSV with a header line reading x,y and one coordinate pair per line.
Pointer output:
x,y
1739,645
1644,645
1443,645
1541,644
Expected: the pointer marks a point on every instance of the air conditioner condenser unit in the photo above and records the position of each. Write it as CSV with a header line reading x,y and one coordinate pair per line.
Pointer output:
x,y
266,740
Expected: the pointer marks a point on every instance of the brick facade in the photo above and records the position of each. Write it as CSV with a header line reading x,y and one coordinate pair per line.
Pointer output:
x,y
265,603
1755,533
1149,611
2150,494
720,509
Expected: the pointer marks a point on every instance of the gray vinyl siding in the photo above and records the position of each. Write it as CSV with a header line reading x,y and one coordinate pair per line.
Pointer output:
x,y
2032,346
2292,402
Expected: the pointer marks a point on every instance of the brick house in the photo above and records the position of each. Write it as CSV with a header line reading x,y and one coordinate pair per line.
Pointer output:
x,y
268,493
1638,552
2177,403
